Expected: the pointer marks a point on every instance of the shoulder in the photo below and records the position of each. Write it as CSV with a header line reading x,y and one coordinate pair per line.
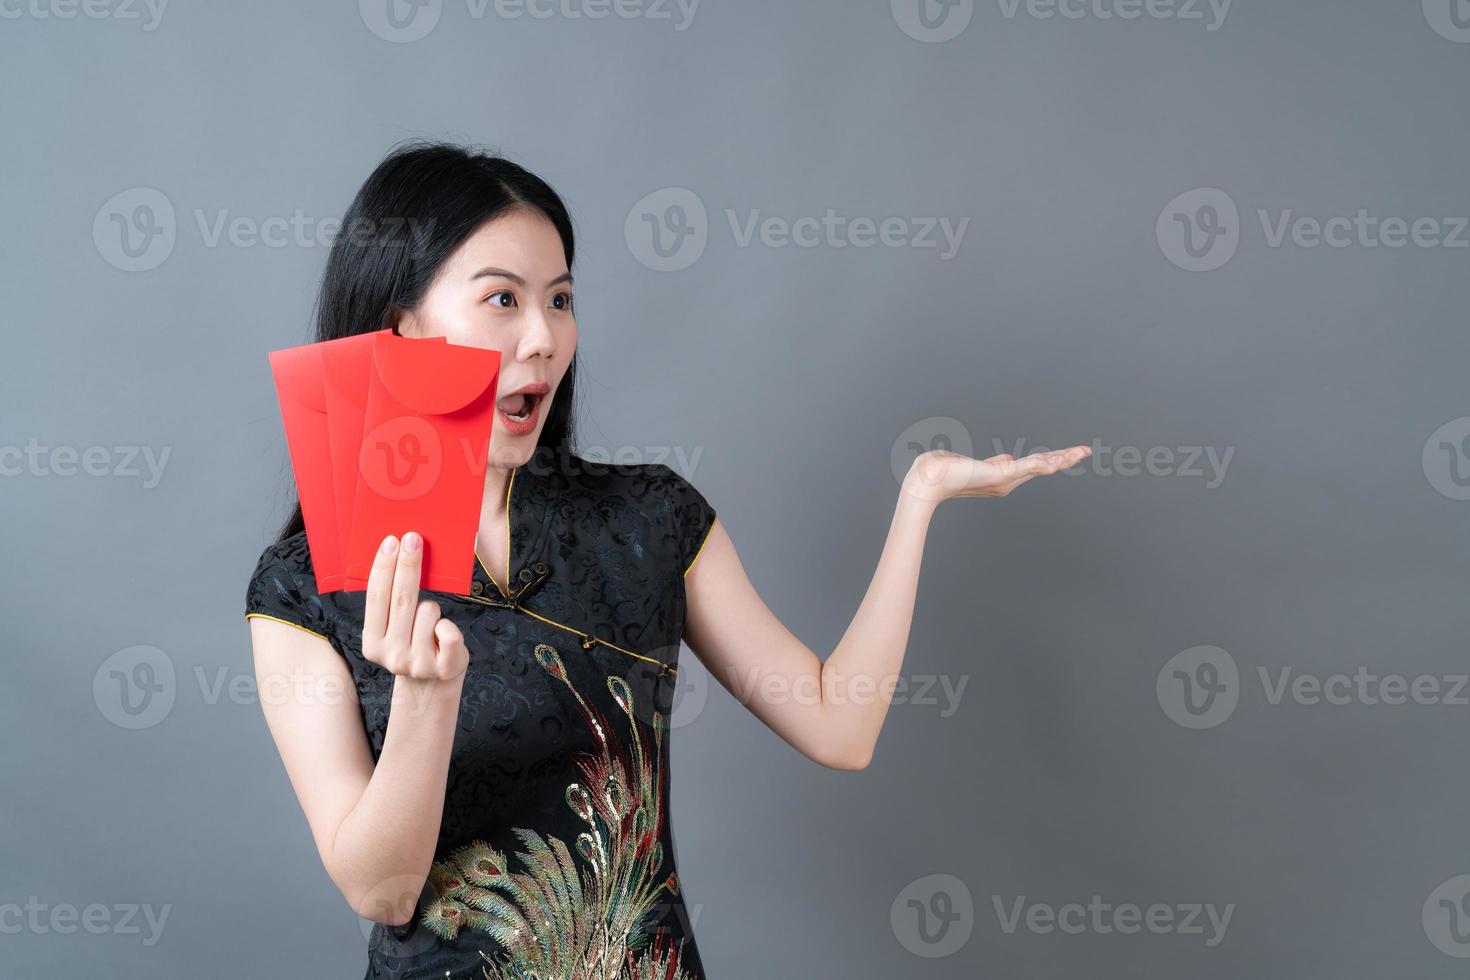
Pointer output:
x,y
283,586
667,497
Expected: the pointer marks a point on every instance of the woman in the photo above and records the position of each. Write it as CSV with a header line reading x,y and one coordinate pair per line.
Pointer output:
x,y
486,775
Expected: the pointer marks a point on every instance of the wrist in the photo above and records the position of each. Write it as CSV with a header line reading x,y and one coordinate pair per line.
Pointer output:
x,y
922,487
432,696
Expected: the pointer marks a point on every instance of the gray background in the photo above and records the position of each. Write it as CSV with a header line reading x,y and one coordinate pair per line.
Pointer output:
x,y
785,376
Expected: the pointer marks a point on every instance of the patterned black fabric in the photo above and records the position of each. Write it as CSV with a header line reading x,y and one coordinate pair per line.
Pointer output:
x,y
587,641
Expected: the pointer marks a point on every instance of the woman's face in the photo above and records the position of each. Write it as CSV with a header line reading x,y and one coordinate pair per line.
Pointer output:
x,y
507,288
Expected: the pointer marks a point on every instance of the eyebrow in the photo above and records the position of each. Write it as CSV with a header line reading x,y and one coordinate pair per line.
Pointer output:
x,y
507,274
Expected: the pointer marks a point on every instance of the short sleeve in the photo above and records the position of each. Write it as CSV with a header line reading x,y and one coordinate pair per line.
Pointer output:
x,y
283,588
693,516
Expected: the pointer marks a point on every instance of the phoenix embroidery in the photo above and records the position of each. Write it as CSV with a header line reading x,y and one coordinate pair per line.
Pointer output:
x,y
557,920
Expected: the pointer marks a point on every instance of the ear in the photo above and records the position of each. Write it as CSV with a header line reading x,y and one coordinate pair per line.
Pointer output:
x,y
403,322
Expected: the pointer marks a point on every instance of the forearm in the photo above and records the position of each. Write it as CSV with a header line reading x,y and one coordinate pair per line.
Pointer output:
x,y
859,676
382,851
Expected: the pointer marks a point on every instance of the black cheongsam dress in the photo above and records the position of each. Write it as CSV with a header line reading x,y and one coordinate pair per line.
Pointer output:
x,y
555,856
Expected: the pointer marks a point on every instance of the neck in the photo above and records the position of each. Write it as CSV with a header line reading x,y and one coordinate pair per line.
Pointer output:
x,y
497,478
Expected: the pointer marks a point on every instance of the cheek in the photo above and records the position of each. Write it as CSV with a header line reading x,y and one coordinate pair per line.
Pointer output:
x,y
454,318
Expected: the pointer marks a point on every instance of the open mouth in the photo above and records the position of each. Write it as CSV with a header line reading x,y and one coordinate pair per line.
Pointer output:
x,y
519,407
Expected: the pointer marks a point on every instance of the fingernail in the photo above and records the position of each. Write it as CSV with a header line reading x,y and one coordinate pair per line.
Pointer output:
x,y
411,542
390,545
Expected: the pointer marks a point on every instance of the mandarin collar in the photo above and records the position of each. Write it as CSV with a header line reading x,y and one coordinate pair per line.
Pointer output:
x,y
527,518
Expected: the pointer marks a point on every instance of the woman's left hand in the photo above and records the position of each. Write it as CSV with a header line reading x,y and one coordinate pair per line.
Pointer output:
x,y
940,475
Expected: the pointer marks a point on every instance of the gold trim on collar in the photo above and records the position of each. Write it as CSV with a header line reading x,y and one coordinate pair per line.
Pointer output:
x,y
509,558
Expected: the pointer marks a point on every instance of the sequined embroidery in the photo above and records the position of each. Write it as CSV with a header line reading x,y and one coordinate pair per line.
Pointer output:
x,y
564,919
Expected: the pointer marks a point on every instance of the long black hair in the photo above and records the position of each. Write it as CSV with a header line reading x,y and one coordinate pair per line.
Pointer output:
x,y
408,217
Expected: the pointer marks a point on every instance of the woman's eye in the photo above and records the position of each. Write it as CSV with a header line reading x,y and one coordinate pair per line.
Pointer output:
x,y
561,301
503,299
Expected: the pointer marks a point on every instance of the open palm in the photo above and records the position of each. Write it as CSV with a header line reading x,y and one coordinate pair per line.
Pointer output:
x,y
940,475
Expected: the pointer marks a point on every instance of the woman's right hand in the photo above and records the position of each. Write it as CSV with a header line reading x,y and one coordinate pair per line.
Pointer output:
x,y
401,634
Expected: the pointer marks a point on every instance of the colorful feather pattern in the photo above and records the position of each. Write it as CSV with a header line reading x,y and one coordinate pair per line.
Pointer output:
x,y
558,919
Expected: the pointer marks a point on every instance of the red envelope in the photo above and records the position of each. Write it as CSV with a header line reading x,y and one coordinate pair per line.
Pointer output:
x,y
348,365
301,393
323,390
421,467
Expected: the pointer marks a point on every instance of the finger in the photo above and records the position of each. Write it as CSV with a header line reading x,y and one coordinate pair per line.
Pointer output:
x,y
423,649
1016,469
452,652
379,588
405,591
1045,464
1042,464
1068,458
1001,458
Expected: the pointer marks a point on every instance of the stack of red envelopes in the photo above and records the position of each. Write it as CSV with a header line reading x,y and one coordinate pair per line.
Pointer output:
x,y
388,434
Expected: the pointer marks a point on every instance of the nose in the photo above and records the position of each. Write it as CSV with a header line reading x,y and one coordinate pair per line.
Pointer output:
x,y
537,337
